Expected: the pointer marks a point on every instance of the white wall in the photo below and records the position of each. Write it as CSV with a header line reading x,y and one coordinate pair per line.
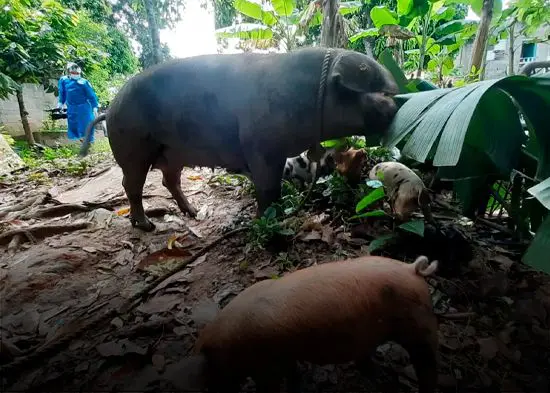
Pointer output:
x,y
36,101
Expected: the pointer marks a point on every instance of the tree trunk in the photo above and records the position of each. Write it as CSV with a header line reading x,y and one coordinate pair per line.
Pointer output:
x,y
423,43
482,35
511,51
367,43
333,34
484,64
24,116
153,30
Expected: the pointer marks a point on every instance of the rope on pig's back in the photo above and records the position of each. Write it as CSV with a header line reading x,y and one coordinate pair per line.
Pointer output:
x,y
320,116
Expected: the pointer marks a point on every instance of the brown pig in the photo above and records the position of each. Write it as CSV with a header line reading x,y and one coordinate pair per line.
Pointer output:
x,y
349,164
325,314
406,191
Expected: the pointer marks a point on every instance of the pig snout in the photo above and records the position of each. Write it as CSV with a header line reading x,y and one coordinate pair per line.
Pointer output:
x,y
380,111
331,313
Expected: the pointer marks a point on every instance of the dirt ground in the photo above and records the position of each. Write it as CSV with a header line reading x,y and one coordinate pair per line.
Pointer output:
x,y
89,304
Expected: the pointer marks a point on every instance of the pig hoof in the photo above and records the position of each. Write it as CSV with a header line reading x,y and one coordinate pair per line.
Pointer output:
x,y
192,211
146,225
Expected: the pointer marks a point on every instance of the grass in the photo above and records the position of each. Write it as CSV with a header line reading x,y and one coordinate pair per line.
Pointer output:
x,y
63,158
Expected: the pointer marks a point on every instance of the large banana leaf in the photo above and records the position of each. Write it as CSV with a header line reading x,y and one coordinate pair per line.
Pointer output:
x,y
284,7
482,115
256,10
537,254
542,192
474,135
246,31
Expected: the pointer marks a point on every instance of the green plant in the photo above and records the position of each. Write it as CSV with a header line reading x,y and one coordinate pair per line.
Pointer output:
x,y
475,137
284,261
291,198
263,229
8,138
416,227
380,153
34,39
279,22
336,188
430,24
373,196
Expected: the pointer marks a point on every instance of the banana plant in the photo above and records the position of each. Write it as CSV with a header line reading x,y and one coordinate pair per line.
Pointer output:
x,y
278,21
421,20
474,134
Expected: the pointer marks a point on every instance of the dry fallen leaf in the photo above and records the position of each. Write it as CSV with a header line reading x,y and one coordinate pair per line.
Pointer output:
x,y
160,304
123,211
162,256
158,362
171,240
178,240
314,230
119,348
504,262
488,347
82,367
194,177
181,330
117,322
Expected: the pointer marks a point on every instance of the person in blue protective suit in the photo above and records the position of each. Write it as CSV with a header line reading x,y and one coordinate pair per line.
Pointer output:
x,y
78,95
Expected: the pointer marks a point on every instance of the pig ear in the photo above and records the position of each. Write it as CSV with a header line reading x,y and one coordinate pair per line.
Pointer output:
x,y
348,84
351,75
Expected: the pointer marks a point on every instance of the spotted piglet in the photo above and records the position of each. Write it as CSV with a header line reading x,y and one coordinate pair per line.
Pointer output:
x,y
299,169
405,190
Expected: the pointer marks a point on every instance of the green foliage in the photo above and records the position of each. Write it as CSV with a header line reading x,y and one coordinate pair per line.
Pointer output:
x,y
474,136
131,16
421,28
275,22
34,39
100,48
373,196
337,190
63,158
537,253
416,227
533,14
263,229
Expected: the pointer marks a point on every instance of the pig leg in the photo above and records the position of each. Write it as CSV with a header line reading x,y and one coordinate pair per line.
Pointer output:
x,y
422,349
171,179
424,360
267,181
133,181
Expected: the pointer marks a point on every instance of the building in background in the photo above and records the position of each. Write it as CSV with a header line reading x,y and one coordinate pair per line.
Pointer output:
x,y
526,50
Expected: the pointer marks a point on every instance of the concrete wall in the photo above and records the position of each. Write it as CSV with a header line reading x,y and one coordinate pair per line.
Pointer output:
x,y
497,57
36,101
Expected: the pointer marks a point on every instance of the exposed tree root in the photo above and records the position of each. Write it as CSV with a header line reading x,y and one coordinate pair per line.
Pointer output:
x,y
41,231
25,205
55,211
